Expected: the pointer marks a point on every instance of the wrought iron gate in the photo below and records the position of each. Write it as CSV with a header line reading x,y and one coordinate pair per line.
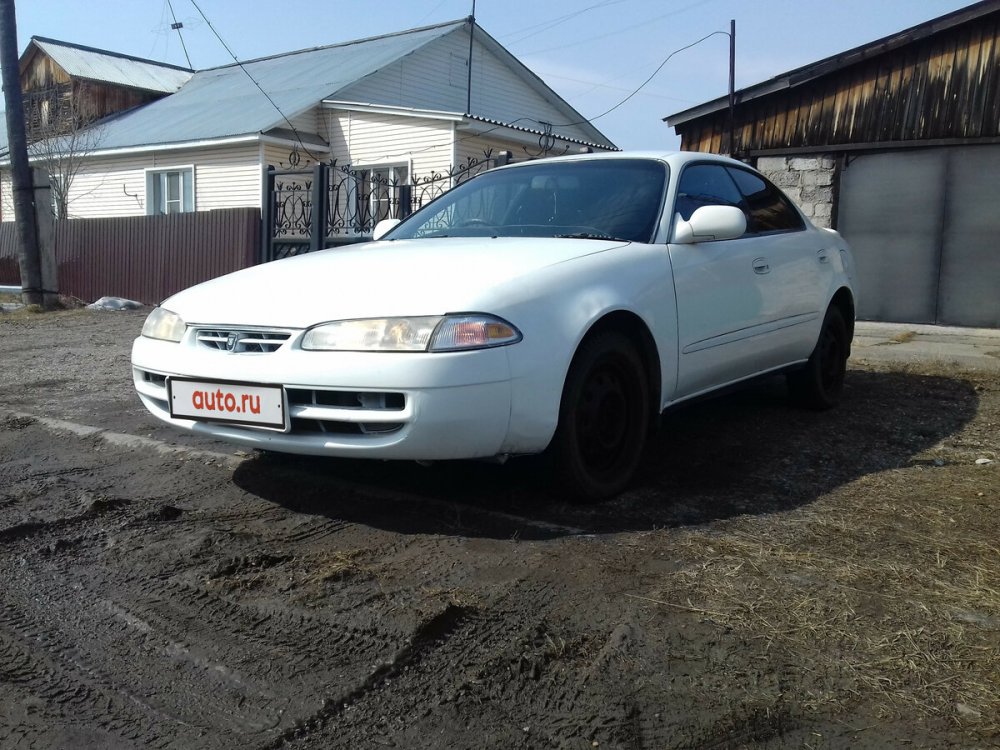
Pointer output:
x,y
332,204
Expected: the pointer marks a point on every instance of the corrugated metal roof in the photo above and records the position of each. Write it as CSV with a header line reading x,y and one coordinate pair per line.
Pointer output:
x,y
109,67
224,102
606,144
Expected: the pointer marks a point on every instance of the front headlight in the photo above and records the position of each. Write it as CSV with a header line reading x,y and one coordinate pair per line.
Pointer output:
x,y
419,334
163,324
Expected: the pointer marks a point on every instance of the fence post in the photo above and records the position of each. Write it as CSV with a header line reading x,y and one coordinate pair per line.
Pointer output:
x,y
46,233
404,206
317,229
267,216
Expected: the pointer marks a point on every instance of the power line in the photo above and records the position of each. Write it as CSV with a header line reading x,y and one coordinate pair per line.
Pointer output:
x,y
431,13
255,82
643,84
539,28
641,24
605,85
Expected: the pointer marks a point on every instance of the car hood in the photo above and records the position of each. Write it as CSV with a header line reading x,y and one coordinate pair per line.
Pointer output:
x,y
381,279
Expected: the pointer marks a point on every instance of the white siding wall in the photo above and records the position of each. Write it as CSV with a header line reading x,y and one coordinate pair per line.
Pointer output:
x,y
475,148
309,121
225,177
6,196
277,156
363,138
109,187
435,77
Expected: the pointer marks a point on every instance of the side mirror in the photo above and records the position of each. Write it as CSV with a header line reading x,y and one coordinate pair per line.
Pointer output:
x,y
710,223
383,227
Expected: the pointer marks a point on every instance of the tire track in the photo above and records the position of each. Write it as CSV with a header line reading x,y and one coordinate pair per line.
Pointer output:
x,y
70,690
236,670
500,667
427,636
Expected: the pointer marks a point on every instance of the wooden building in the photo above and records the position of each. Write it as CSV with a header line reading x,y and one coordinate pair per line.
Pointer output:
x,y
897,145
68,86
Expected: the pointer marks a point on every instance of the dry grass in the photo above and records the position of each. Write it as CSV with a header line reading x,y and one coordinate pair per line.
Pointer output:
x,y
902,338
34,312
887,590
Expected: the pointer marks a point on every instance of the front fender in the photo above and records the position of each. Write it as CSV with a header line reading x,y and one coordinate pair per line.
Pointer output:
x,y
554,320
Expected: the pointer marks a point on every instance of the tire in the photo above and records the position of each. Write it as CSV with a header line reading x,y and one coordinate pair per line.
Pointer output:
x,y
603,419
819,383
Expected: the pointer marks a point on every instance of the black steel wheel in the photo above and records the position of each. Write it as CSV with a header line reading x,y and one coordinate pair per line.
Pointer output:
x,y
603,419
820,382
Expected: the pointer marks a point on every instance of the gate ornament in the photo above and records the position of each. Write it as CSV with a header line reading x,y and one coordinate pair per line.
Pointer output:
x,y
330,204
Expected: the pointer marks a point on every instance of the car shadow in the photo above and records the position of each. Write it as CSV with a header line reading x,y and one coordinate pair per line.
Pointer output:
x,y
747,452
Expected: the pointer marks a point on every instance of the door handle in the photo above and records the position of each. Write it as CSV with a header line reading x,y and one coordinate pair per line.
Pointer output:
x,y
822,257
760,266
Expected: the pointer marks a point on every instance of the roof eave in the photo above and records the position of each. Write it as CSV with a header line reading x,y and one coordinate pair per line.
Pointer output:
x,y
812,71
387,109
234,140
487,125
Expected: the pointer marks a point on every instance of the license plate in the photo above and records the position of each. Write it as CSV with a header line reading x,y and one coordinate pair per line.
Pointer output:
x,y
233,403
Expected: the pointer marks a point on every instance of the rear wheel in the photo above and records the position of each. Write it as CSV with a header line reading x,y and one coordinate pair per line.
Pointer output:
x,y
819,383
603,419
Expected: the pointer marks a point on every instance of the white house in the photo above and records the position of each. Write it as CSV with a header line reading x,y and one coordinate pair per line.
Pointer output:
x,y
401,106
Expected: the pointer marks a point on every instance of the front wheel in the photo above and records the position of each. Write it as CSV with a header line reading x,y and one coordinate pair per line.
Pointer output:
x,y
603,419
819,383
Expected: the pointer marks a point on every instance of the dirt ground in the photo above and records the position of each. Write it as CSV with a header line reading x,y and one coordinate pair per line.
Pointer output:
x,y
775,579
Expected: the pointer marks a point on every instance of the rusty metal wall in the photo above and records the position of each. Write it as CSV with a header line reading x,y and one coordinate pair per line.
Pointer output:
x,y
145,258
944,87
10,274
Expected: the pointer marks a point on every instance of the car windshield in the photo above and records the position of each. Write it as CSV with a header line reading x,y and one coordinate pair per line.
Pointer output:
x,y
588,199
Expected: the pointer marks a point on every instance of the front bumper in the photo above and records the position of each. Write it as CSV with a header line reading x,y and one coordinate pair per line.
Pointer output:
x,y
422,406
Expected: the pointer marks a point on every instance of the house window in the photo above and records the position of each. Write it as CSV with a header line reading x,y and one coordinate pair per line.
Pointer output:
x,y
170,191
378,193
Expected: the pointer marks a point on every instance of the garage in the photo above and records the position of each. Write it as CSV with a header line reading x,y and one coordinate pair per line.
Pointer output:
x,y
925,230
896,144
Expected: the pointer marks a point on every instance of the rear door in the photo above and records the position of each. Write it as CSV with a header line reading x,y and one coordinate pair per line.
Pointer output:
x,y
799,267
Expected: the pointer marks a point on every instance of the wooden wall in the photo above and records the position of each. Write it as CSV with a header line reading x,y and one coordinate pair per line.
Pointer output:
x,y
943,87
55,103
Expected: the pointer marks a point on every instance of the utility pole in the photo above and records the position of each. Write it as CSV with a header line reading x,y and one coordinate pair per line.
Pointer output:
x,y
23,187
468,88
732,87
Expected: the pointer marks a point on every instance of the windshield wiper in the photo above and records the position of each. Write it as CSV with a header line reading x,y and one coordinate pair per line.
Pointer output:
x,y
590,236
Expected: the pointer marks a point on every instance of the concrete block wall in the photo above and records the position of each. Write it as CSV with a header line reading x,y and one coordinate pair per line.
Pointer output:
x,y
807,180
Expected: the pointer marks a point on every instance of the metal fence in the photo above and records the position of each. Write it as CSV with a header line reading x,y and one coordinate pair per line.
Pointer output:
x,y
145,258
335,204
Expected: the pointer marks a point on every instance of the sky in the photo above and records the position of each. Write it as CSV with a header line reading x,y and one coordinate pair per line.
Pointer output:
x,y
594,53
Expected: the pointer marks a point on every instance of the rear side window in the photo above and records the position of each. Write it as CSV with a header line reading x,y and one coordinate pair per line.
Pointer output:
x,y
768,210
706,185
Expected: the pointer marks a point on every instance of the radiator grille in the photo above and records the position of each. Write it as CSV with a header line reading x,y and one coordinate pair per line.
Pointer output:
x,y
241,341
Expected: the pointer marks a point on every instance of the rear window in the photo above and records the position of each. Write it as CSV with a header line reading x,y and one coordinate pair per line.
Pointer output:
x,y
768,210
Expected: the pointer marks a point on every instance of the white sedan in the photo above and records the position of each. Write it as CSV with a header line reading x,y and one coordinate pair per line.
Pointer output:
x,y
557,305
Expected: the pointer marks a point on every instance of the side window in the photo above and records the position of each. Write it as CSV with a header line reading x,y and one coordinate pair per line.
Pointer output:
x,y
705,185
170,191
769,209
